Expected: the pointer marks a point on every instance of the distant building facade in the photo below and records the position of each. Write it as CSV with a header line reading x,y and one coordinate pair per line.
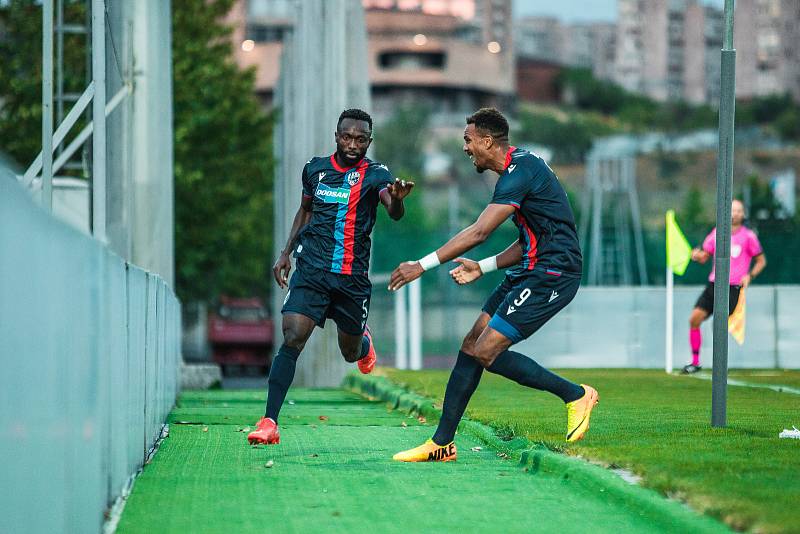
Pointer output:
x,y
669,49
767,41
451,55
547,40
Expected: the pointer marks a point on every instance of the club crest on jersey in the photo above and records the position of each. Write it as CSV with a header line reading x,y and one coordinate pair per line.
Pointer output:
x,y
338,195
353,178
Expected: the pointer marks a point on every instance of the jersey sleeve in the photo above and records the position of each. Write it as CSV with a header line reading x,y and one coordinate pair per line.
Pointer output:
x,y
511,189
710,242
753,244
308,188
382,178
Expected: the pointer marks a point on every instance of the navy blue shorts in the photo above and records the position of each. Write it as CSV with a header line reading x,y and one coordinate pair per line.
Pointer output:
x,y
519,306
320,295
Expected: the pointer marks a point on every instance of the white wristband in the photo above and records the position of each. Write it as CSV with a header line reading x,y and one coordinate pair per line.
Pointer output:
x,y
488,265
430,261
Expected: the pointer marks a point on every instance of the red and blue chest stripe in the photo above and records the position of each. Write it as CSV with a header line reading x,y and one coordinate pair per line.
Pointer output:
x,y
527,237
345,225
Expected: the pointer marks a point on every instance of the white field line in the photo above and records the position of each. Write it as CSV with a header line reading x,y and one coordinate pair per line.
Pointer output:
x,y
735,382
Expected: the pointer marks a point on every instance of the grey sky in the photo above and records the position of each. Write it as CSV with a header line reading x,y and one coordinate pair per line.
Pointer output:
x,y
575,10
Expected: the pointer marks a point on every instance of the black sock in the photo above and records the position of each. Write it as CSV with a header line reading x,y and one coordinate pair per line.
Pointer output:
x,y
527,372
364,346
281,375
462,383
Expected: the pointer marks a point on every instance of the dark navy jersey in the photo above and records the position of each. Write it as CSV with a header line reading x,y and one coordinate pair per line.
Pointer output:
x,y
345,202
547,232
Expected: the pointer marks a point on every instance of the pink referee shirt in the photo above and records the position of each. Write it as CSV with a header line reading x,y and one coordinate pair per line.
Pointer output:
x,y
744,247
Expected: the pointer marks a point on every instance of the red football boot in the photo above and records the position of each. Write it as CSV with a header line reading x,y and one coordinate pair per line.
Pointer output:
x,y
367,363
266,432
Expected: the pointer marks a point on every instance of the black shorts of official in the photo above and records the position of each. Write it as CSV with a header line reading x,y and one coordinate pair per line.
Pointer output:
x,y
706,300
320,294
519,306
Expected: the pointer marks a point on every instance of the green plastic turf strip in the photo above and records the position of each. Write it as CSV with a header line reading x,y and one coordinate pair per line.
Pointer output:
x,y
536,458
331,477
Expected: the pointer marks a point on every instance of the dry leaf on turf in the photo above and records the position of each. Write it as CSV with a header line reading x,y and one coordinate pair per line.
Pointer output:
x,y
323,417
422,419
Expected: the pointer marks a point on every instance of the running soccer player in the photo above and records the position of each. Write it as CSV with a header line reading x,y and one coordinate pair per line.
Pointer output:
x,y
330,239
744,248
544,277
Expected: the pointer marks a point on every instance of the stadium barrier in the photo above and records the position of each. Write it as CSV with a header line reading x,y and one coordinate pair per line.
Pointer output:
x,y
602,327
90,350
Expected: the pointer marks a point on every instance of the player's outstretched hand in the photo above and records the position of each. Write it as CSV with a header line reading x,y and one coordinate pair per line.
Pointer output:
x,y
400,189
281,270
406,272
467,271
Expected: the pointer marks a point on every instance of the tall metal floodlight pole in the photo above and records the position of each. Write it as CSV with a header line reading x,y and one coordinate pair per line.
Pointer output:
x,y
719,388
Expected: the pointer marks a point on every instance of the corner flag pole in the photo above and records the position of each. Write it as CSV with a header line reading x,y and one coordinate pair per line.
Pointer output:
x,y
668,333
719,388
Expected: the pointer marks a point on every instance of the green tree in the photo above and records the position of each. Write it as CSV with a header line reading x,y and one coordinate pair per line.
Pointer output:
x,y
400,141
223,161
21,73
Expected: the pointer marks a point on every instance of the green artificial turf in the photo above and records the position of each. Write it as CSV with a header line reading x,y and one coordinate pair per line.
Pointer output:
x,y
336,475
658,426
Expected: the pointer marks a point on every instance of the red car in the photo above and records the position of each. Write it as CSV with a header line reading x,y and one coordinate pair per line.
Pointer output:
x,y
241,334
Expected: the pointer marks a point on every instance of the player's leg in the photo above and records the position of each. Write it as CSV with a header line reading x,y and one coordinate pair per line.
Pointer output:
x,y
297,329
350,310
304,307
492,352
532,303
464,379
703,308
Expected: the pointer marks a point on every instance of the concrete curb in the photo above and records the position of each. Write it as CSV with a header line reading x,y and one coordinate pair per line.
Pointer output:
x,y
538,459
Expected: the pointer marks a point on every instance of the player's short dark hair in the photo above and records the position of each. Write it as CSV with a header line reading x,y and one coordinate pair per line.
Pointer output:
x,y
356,114
490,121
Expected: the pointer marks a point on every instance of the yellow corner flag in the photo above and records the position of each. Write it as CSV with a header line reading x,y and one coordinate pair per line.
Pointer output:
x,y
678,250
736,320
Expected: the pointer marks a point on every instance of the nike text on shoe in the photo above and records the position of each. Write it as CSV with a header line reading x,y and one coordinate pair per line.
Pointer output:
x,y
266,433
367,363
578,413
428,452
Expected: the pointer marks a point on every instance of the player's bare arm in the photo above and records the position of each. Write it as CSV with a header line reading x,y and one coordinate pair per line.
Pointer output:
x,y
283,266
470,270
392,198
468,238
760,262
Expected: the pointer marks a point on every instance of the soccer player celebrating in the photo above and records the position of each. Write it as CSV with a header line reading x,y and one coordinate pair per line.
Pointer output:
x,y
330,239
544,277
744,248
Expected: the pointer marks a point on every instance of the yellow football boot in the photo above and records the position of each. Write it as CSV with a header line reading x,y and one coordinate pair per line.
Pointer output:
x,y
428,452
578,413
